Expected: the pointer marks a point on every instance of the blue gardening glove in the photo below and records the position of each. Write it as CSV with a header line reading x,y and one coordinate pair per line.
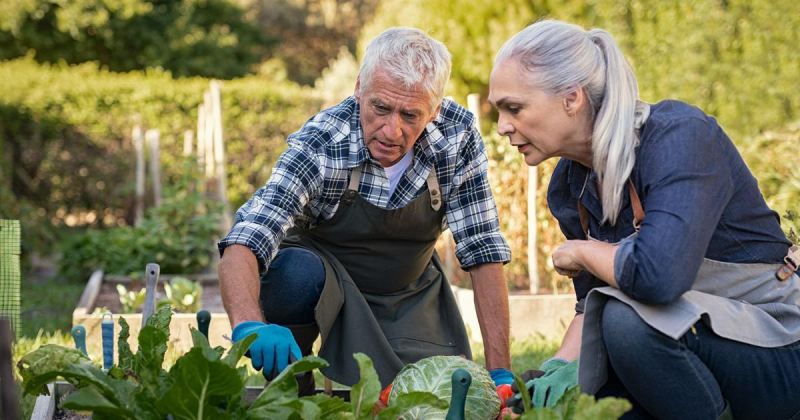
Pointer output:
x,y
501,377
559,376
273,350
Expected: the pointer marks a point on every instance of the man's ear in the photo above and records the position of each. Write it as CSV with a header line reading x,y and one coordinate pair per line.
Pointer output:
x,y
357,92
435,113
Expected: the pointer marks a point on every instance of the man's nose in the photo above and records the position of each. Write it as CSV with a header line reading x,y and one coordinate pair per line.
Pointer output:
x,y
393,129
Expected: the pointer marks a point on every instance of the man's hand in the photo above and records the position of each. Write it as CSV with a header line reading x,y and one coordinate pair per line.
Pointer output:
x,y
515,401
273,350
503,379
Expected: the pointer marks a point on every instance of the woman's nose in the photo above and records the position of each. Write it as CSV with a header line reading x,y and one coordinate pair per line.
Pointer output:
x,y
504,128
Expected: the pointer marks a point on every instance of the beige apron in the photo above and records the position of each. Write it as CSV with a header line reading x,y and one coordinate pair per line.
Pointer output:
x,y
740,302
385,293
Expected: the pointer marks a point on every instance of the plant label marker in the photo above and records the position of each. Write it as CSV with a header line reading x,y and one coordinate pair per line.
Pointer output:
x,y
203,321
107,326
79,336
151,274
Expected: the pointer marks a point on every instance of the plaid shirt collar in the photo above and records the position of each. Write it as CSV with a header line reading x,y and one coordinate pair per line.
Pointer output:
x,y
431,142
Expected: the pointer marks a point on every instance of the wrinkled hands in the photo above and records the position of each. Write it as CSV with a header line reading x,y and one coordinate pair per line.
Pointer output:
x,y
273,350
547,384
566,259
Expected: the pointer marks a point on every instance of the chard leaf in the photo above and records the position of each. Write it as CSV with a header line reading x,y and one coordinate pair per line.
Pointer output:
x,y
238,349
198,387
124,353
406,403
365,393
540,413
160,319
577,406
303,409
329,406
282,390
45,364
90,399
200,341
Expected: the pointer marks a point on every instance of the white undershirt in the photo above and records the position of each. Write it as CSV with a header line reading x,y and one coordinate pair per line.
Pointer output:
x,y
396,171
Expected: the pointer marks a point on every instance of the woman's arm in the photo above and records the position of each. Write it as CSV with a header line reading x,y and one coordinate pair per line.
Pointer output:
x,y
595,257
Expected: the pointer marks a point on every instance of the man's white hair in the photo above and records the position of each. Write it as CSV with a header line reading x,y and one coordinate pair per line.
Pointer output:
x,y
412,58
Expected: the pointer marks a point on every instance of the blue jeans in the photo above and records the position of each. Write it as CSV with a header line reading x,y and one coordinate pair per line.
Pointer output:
x,y
693,377
292,286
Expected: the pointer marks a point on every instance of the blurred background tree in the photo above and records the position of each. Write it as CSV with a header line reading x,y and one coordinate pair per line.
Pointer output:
x,y
67,110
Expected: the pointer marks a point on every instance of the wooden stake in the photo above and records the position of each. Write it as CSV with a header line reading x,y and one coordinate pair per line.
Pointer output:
x,y
188,142
201,135
533,262
474,106
219,153
152,137
138,146
209,135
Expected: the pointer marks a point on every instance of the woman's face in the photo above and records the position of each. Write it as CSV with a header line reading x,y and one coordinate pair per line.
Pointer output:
x,y
537,124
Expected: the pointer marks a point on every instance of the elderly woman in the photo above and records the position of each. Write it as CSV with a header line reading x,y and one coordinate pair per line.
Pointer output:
x,y
700,316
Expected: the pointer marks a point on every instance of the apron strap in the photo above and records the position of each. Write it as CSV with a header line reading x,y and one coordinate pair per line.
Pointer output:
x,y
792,261
434,190
355,178
638,211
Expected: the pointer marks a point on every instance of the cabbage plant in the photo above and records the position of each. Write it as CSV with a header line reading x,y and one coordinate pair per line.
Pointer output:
x,y
433,375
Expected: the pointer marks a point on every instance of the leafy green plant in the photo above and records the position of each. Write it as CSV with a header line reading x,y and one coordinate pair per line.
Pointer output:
x,y
178,235
204,383
183,294
792,222
576,406
129,299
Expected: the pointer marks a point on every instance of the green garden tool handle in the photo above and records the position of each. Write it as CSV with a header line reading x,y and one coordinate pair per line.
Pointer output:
x,y
79,336
203,321
461,380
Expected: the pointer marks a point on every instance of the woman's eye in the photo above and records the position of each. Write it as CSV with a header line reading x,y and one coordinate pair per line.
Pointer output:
x,y
513,110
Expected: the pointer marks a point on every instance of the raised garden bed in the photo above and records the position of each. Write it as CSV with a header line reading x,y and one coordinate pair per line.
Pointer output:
x,y
101,292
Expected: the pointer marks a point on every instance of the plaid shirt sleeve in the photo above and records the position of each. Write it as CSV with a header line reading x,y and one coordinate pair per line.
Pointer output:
x,y
262,222
472,212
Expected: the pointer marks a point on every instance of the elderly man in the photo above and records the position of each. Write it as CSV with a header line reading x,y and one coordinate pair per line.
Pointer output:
x,y
340,241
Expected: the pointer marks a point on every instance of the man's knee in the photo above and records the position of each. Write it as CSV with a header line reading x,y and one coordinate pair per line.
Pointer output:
x,y
292,286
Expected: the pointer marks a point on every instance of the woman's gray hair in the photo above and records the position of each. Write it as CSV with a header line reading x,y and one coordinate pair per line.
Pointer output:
x,y
562,58
411,57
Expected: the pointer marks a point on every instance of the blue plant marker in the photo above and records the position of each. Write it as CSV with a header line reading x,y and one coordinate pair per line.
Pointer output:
x,y
108,340
79,336
203,320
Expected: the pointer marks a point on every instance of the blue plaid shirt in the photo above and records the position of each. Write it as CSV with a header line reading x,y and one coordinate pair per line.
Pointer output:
x,y
310,177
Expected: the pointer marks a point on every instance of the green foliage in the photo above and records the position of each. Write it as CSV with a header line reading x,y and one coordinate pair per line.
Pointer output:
x,y
211,38
130,300
183,294
728,58
576,406
67,132
792,219
178,235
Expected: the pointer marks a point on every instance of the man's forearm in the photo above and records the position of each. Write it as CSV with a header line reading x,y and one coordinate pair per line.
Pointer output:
x,y
491,305
239,284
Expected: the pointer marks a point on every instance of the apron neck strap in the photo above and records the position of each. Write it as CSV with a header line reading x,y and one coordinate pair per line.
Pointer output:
x,y
355,178
433,185
433,189
638,211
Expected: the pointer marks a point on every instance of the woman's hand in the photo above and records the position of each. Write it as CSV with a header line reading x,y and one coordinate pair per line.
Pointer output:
x,y
567,260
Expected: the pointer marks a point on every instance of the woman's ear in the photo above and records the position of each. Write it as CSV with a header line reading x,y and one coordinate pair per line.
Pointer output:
x,y
574,102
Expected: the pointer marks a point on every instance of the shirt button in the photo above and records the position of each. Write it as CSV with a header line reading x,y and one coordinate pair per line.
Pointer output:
x,y
435,201
435,193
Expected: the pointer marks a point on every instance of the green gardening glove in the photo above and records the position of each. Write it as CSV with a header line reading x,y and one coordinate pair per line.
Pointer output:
x,y
559,376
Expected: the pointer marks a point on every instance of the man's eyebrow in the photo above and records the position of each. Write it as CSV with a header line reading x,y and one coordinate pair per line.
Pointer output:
x,y
376,101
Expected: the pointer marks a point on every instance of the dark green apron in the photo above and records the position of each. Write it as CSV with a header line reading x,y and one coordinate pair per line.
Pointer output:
x,y
385,292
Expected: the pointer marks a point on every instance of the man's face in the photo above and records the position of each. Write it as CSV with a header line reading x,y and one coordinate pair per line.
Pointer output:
x,y
392,117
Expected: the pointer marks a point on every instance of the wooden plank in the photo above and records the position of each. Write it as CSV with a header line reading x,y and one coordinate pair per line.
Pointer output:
x,y
153,140
86,302
45,405
151,273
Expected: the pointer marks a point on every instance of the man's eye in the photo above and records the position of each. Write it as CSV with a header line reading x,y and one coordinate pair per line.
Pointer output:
x,y
409,116
382,109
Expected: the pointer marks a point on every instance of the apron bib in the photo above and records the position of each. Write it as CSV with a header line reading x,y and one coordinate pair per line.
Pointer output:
x,y
385,292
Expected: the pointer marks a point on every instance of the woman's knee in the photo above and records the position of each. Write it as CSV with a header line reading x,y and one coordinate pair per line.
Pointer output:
x,y
623,330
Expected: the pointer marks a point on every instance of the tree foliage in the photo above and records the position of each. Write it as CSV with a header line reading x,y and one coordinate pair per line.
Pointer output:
x,y
211,38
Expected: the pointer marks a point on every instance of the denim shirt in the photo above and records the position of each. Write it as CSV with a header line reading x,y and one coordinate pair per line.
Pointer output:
x,y
700,201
